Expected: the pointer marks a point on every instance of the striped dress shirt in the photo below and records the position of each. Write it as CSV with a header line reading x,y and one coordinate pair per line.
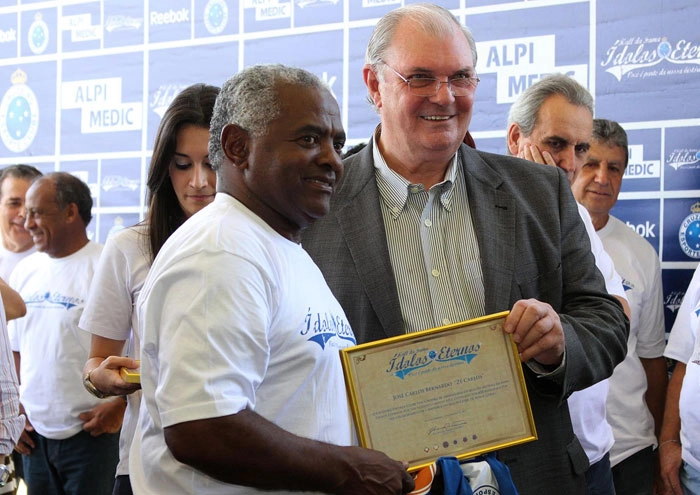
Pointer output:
x,y
11,424
432,247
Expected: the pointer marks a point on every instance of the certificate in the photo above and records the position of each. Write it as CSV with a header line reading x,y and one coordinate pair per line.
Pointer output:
x,y
456,390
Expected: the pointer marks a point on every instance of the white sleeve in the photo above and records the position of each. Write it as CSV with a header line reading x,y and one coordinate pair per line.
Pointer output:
x,y
651,334
682,339
613,281
109,306
211,346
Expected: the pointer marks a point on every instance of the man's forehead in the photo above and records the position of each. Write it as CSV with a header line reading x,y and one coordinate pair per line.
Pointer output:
x,y
309,106
42,188
292,95
10,182
557,107
610,152
412,44
16,181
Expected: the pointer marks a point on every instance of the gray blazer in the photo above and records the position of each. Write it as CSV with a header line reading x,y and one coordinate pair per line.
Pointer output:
x,y
533,244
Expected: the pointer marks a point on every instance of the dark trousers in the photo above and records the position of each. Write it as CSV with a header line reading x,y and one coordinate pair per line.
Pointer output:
x,y
599,478
635,475
79,465
19,468
122,485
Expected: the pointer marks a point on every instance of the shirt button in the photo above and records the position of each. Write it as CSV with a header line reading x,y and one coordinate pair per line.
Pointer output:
x,y
445,321
435,272
428,223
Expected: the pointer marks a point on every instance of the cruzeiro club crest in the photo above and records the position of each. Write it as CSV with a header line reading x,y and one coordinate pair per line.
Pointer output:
x,y
38,35
215,16
689,233
19,114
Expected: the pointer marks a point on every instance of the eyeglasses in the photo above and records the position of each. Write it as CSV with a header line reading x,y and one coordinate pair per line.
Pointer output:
x,y
422,85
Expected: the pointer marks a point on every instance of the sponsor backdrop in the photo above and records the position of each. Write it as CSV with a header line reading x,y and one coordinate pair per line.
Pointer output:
x,y
84,83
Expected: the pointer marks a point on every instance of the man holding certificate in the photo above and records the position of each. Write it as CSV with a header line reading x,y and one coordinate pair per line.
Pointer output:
x,y
425,231
240,335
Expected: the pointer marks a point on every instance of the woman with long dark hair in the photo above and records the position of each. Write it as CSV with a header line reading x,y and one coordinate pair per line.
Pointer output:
x,y
180,183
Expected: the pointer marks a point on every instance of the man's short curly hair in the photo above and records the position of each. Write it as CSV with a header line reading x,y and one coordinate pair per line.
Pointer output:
x,y
251,101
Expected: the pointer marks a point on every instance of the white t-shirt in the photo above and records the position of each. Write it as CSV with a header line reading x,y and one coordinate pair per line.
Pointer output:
x,y
587,407
110,312
53,349
684,346
233,315
636,260
9,259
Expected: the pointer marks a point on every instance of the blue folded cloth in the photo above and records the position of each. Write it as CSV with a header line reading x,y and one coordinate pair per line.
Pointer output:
x,y
454,481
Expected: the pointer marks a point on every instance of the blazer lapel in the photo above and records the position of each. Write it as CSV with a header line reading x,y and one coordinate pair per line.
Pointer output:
x,y
493,216
360,221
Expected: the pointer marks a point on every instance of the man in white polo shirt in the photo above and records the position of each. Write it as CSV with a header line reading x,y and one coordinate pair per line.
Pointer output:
x,y
638,385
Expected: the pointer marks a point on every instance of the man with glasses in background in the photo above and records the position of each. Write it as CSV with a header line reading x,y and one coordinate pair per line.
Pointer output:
x,y
425,231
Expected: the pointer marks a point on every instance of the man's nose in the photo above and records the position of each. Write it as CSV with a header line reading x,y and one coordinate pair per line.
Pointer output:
x,y
601,175
444,93
566,160
331,157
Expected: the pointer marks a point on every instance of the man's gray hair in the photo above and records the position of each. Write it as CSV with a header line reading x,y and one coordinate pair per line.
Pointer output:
x,y
70,189
433,19
610,133
526,108
250,99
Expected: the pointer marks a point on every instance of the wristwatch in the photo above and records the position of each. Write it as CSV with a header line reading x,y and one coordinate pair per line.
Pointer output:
x,y
5,475
90,387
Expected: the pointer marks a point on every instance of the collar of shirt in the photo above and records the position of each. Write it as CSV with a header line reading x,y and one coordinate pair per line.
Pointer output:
x,y
394,188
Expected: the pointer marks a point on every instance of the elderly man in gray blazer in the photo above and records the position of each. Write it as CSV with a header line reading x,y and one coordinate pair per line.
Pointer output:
x,y
425,231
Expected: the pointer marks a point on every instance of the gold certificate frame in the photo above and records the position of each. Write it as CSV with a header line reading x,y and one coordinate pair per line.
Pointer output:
x,y
456,390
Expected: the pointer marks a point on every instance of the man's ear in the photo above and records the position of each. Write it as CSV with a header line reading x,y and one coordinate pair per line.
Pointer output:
x,y
70,213
514,136
234,142
372,83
